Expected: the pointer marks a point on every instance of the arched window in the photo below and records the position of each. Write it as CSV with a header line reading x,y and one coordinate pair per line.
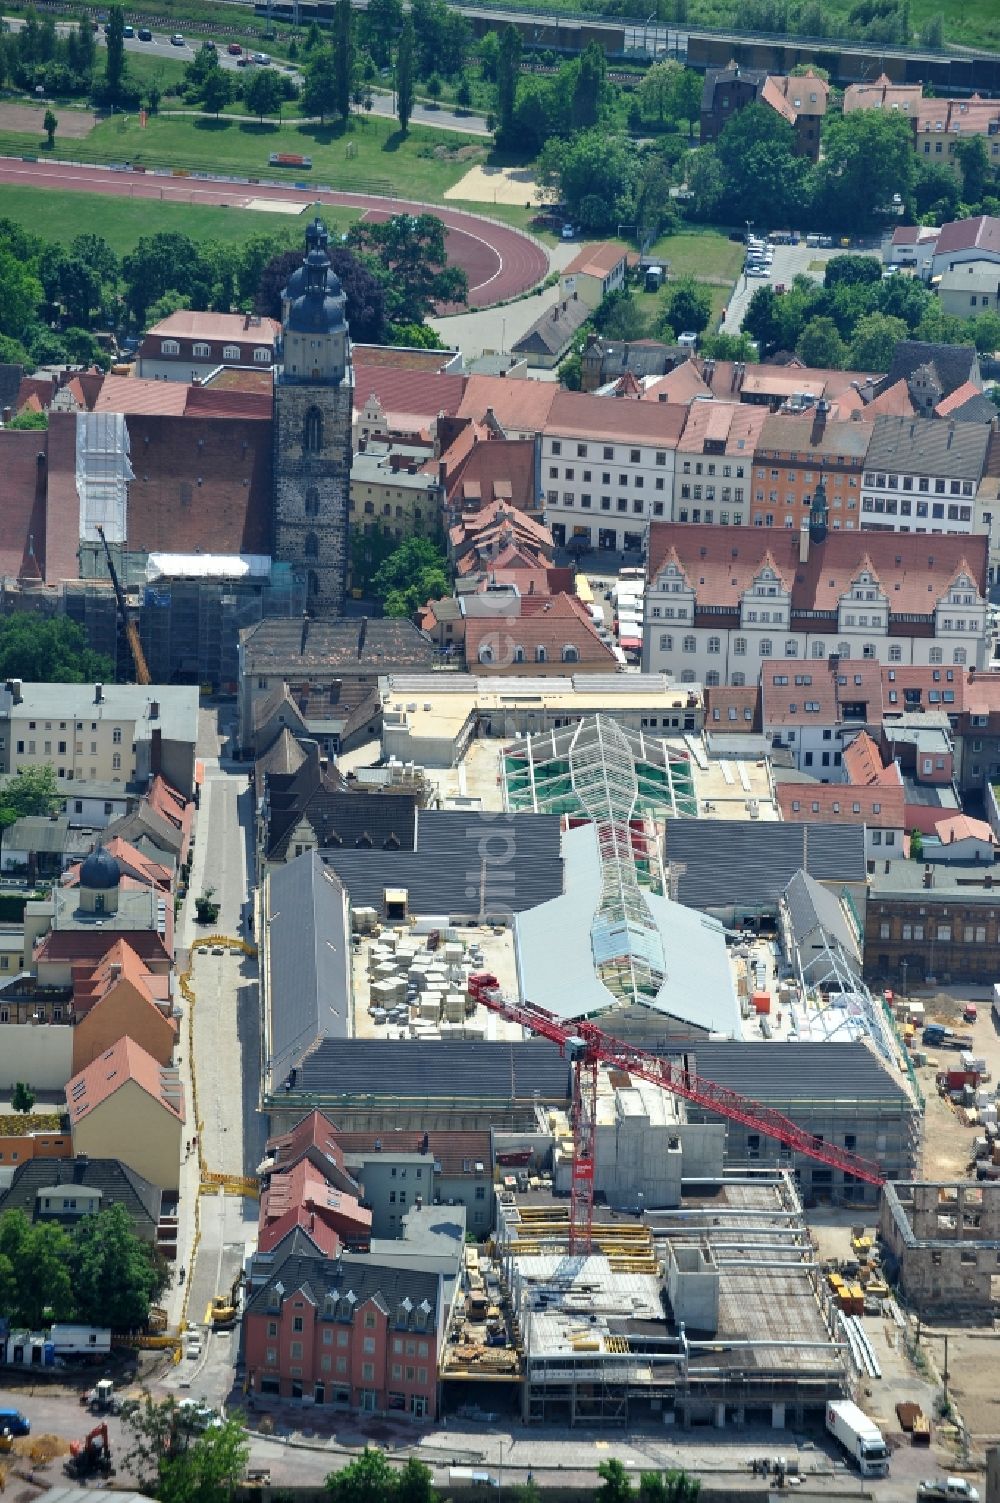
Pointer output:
x,y
539,654
312,502
485,653
570,654
791,648
819,649
312,545
312,432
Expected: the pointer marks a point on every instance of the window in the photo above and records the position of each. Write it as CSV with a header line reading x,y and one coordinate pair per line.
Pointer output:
x,y
169,347
230,352
262,356
311,545
312,502
116,735
765,647
570,654
201,351
312,431
791,648
714,645
298,1323
539,654
116,762
739,647
666,642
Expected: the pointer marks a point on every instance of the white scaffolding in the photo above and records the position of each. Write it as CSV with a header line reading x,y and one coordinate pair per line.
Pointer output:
x,y
103,471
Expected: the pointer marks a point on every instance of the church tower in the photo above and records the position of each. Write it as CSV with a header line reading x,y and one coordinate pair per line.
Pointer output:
x,y
313,394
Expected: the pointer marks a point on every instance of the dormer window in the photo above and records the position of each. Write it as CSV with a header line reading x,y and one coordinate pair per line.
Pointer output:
x,y
262,356
201,351
231,352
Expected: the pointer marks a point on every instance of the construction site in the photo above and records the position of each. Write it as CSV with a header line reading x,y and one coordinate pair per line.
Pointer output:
x,y
709,1313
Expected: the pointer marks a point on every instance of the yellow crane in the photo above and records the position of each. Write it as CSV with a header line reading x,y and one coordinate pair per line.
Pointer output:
x,y
127,620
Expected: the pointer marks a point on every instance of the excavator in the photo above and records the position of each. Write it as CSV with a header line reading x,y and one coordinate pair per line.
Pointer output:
x,y
226,1308
128,623
91,1456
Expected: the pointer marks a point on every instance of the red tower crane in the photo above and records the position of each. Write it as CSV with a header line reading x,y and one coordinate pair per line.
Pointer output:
x,y
587,1047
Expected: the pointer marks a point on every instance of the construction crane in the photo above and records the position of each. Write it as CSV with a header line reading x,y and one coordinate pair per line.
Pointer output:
x,y
127,620
587,1047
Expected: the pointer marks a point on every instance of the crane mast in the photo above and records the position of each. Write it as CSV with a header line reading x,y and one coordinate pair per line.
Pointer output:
x,y
129,626
587,1047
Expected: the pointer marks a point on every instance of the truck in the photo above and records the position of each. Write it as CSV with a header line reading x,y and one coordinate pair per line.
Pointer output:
x,y
937,1036
860,1437
948,1490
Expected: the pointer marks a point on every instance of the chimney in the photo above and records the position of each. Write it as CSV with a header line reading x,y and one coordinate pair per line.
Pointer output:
x,y
156,751
98,694
804,542
305,633
14,686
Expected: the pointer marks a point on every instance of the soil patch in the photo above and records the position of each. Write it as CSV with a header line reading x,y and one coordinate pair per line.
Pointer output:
x,y
28,118
498,185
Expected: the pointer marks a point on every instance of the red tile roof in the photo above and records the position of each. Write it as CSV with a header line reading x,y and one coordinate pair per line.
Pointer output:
x,y
735,425
930,686
22,510
520,406
194,323
80,945
981,231
324,1237
721,563
456,1152
582,415
962,827
201,482
314,1131
597,260
124,1062
91,982
842,804
958,398
733,709
303,1186
410,399
132,394
553,623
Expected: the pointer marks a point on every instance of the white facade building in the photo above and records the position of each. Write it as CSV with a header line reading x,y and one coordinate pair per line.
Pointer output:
x,y
923,475
721,601
608,469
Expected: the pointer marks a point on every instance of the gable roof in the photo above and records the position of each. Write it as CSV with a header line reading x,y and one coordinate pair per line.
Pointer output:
x,y
880,806
117,1182
553,624
596,260
125,1062
552,330
307,954
927,446
748,864
979,232
519,406
583,415
953,364
963,827
366,645
914,569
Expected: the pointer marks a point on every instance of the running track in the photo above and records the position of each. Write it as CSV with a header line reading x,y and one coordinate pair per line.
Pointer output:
x,y
499,262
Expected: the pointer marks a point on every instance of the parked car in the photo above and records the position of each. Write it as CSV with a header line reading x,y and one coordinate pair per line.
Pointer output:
x,y
177,40
144,34
210,46
234,49
758,271
262,58
568,231
243,62
128,31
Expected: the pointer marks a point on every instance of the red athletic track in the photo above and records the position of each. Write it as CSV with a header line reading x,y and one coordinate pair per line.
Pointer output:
x,y
499,262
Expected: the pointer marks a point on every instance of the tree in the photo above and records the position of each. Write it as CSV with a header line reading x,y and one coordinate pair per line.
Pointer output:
x,y
415,572
23,1098
165,262
319,92
656,91
874,342
463,94
383,20
409,252
588,87
343,55
29,422
216,91
616,1484
596,175
508,71
867,158
851,270
820,346
34,1271
764,179
685,97
48,651
370,1478
178,1462
972,158
619,317
688,306
20,294
115,1275
114,66
404,76
50,125
434,86
729,347
934,192
262,93
668,1487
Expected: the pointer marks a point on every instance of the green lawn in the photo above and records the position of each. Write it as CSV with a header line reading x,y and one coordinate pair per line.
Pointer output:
x,y
144,67
704,254
652,305
372,155
59,216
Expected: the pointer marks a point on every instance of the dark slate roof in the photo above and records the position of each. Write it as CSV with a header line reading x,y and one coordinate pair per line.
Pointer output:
x,y
350,644
466,863
435,1069
318,1276
954,363
118,1184
815,913
347,819
553,329
715,76
929,446
810,1072
720,862
978,409
308,947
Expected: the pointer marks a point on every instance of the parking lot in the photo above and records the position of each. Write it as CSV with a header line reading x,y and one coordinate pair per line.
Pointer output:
x,y
790,261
